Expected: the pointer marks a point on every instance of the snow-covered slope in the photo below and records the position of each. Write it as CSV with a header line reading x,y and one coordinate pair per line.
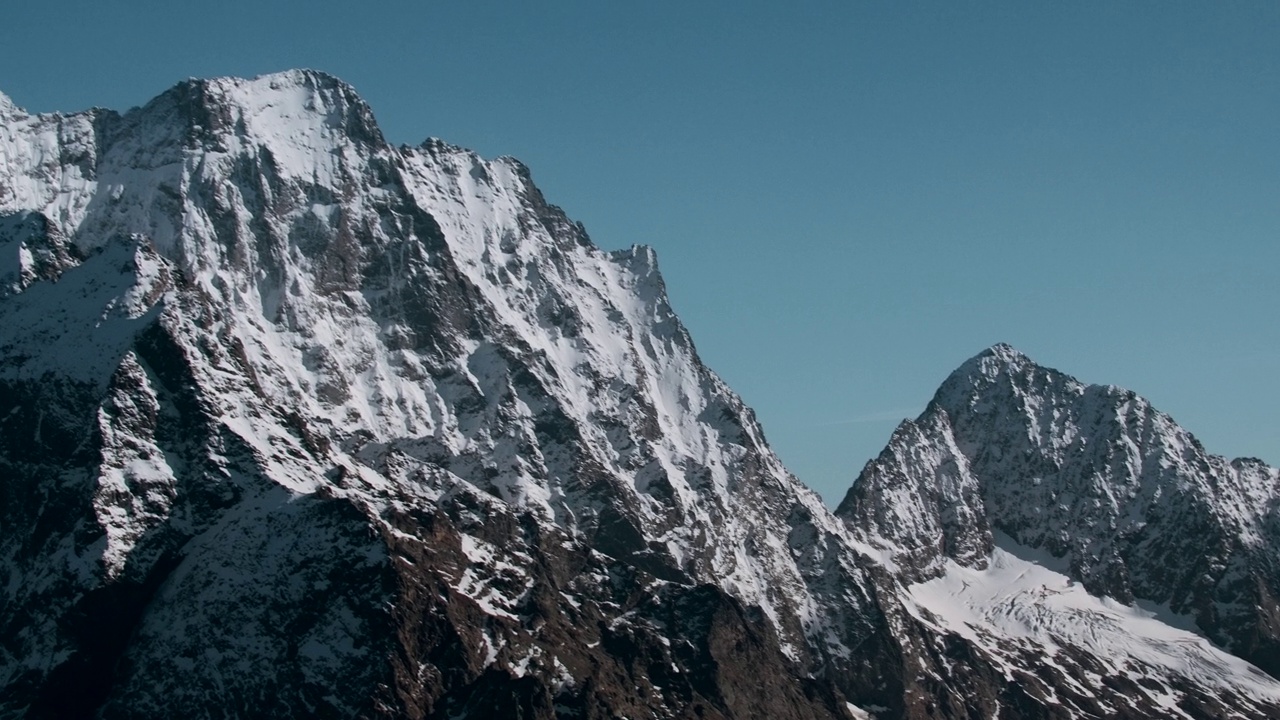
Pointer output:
x,y
1045,632
294,422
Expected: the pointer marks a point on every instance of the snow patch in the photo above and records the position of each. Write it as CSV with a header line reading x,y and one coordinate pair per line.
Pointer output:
x,y
1018,599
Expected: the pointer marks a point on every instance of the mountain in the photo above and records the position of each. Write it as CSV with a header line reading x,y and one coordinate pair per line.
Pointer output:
x,y
1025,504
346,428
297,422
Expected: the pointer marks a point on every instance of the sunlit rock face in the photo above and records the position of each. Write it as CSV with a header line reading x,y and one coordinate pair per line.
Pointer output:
x,y
296,422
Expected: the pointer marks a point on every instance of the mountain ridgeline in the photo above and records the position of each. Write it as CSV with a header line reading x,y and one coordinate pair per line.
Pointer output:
x,y
297,422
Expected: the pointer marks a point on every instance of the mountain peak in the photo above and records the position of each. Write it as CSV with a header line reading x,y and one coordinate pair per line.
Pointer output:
x,y
1115,490
298,105
1002,350
289,84
1000,355
989,366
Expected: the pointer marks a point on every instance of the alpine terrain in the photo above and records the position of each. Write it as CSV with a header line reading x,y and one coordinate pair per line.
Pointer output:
x,y
296,422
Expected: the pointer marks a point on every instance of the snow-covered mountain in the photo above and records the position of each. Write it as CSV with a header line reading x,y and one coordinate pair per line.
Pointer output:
x,y
1028,506
293,421
285,405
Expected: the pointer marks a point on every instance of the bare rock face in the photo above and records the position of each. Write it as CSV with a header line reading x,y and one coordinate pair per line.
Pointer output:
x,y
294,422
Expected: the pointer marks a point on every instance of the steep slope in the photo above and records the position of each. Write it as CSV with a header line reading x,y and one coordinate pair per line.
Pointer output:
x,y
284,404
1013,464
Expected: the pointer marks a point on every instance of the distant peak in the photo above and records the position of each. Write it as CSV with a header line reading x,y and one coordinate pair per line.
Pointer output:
x,y
999,360
1003,351
995,360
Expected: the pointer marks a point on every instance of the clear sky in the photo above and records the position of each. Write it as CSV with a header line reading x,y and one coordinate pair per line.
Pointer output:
x,y
848,199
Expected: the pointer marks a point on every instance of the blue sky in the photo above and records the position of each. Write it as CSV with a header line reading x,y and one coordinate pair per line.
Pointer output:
x,y
847,199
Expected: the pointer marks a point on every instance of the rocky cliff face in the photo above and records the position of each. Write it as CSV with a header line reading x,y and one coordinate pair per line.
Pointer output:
x,y
296,422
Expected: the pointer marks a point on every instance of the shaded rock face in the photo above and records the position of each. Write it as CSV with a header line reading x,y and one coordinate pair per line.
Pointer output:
x,y
295,422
